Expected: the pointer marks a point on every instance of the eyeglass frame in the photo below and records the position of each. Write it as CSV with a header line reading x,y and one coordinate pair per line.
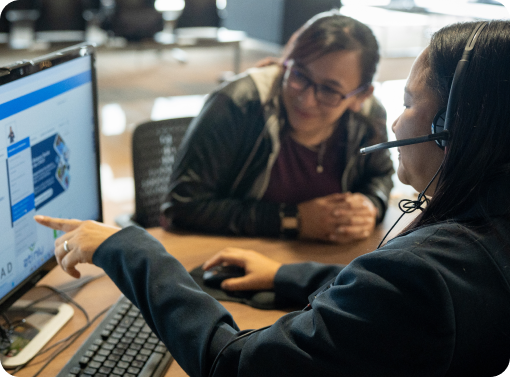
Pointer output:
x,y
287,64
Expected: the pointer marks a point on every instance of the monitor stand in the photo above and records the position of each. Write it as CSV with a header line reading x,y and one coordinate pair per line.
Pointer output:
x,y
42,322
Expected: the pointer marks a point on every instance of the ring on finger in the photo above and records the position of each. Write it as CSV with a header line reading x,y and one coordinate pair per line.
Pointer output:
x,y
66,247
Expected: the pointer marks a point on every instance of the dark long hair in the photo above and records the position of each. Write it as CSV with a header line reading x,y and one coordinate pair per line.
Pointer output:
x,y
329,32
479,145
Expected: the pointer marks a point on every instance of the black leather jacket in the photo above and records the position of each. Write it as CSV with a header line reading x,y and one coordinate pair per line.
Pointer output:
x,y
224,162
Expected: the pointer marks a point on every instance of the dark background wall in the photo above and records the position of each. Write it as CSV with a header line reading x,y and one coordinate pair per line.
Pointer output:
x,y
273,20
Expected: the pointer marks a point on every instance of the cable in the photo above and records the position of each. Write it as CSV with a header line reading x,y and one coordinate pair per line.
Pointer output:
x,y
409,206
71,338
79,332
217,358
69,289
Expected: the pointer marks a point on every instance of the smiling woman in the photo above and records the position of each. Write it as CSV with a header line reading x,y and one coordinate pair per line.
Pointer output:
x,y
275,151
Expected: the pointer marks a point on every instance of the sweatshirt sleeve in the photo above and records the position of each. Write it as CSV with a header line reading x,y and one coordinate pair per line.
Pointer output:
x,y
387,313
192,324
204,192
295,282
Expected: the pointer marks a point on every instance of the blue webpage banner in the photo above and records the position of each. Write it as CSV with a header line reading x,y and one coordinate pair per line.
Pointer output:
x,y
31,99
51,169
18,147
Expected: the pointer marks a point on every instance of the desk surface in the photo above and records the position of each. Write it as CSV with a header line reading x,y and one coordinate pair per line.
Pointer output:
x,y
192,250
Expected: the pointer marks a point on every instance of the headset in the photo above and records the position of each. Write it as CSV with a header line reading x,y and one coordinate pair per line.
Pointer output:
x,y
444,117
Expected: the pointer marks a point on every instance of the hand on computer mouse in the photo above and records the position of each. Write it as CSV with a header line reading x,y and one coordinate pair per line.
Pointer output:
x,y
259,269
217,274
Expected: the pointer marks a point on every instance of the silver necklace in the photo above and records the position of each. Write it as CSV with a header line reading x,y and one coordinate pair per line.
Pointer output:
x,y
320,156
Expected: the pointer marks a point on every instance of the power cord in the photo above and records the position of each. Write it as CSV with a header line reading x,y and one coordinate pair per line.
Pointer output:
x,y
71,338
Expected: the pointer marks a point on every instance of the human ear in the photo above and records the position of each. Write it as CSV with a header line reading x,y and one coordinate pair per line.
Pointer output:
x,y
357,102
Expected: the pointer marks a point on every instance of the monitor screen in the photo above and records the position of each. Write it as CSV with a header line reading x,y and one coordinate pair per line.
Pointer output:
x,y
49,160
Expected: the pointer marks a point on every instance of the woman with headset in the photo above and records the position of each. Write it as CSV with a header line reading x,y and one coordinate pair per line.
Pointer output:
x,y
434,301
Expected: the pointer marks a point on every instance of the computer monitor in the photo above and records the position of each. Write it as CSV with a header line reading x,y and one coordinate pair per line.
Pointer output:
x,y
49,164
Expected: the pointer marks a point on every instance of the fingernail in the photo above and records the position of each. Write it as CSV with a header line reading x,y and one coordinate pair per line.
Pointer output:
x,y
38,217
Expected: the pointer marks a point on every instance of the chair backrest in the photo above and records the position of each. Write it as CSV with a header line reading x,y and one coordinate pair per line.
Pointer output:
x,y
197,13
60,15
134,20
155,146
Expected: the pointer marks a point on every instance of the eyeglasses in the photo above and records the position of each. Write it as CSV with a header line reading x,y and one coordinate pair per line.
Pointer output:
x,y
297,80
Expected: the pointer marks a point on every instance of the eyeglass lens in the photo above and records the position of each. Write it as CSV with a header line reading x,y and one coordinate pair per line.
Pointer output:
x,y
298,81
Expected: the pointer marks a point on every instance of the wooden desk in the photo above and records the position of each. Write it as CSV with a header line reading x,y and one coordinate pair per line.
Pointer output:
x,y
192,250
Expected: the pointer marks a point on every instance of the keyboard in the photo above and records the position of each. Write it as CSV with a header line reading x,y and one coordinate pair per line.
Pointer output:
x,y
121,345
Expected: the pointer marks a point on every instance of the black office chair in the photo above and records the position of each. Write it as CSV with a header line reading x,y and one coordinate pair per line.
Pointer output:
x,y
60,15
155,145
199,13
4,28
134,20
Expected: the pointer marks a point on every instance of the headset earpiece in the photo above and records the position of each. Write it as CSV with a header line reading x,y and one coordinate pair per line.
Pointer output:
x,y
443,119
438,126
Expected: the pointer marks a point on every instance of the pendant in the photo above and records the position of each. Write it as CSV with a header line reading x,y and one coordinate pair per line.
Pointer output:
x,y
320,169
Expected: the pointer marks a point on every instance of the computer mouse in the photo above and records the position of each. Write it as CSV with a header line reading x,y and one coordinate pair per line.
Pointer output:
x,y
214,276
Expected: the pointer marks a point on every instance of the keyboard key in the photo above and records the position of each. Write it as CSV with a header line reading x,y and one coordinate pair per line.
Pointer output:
x,y
103,352
142,358
149,346
105,334
119,371
105,370
109,364
108,346
153,340
131,352
151,365
84,361
145,352
127,358
113,357
90,371
94,364
112,341
122,364
137,364
98,359
133,370
126,322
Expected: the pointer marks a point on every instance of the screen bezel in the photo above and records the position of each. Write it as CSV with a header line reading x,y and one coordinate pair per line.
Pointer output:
x,y
26,68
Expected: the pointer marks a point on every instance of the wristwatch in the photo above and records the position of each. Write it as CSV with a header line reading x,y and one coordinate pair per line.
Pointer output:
x,y
289,221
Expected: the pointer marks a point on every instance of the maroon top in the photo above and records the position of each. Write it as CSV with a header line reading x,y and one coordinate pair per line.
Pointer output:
x,y
294,177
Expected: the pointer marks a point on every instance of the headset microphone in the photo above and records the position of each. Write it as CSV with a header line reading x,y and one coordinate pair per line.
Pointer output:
x,y
398,143
444,117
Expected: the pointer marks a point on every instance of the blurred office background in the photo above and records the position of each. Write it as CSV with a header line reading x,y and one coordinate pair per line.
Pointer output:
x,y
157,58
